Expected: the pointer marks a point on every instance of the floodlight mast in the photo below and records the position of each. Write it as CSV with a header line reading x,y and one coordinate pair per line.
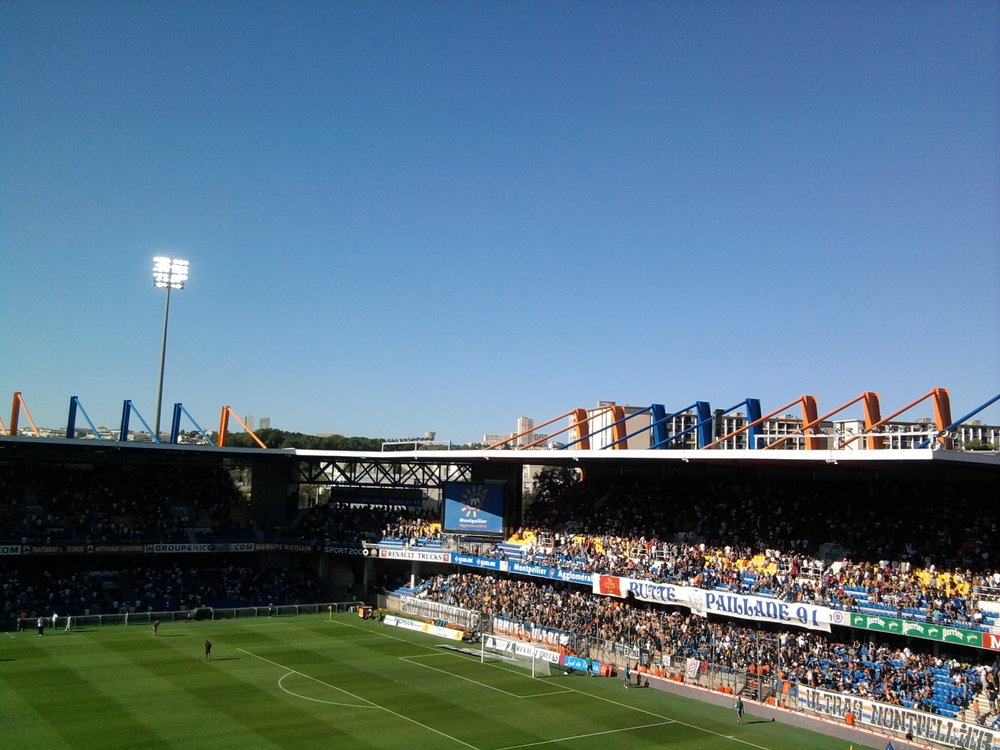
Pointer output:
x,y
168,273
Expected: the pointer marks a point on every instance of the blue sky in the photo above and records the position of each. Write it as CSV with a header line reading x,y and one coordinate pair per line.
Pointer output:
x,y
412,216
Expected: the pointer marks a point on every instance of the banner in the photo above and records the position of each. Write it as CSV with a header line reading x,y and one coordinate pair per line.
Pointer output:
x,y
160,548
927,630
410,554
691,668
142,549
883,717
521,649
484,563
424,627
344,550
705,602
758,608
542,571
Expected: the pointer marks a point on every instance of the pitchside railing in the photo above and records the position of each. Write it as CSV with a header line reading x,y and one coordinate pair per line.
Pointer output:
x,y
199,613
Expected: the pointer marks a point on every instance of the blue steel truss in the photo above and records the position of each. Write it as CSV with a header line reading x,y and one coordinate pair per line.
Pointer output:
x,y
175,425
127,409
74,407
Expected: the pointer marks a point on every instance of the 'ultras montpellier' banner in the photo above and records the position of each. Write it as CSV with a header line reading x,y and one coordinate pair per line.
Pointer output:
x,y
704,602
884,717
473,507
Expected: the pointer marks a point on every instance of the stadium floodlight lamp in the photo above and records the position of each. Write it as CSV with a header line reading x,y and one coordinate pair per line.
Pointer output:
x,y
168,273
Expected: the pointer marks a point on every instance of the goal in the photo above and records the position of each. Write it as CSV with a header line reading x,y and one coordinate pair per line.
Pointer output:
x,y
538,662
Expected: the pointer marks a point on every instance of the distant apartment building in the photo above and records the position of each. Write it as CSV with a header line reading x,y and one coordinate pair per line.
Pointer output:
x,y
522,437
525,431
848,434
602,426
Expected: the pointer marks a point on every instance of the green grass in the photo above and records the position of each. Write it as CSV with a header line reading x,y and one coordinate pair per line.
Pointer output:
x,y
315,682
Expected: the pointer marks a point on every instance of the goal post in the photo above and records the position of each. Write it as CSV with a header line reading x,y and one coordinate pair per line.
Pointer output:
x,y
539,662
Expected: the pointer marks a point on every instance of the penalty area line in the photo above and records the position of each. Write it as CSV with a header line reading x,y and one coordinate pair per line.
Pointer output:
x,y
309,677
414,661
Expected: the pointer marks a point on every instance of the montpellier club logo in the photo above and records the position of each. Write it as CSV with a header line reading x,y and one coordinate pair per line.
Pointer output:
x,y
473,500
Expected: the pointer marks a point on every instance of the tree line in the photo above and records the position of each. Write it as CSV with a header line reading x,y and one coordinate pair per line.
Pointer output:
x,y
273,438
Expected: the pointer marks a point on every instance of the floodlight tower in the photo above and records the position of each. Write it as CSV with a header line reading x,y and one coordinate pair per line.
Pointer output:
x,y
168,273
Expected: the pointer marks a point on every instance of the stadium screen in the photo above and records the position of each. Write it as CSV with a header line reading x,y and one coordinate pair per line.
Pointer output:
x,y
473,508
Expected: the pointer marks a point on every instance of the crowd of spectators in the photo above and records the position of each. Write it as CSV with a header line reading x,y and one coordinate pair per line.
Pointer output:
x,y
939,596
108,503
891,673
774,539
179,588
59,588
728,536
874,520
339,523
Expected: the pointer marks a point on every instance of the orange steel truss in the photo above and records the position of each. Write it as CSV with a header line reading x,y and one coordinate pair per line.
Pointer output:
x,y
224,427
15,412
942,418
873,420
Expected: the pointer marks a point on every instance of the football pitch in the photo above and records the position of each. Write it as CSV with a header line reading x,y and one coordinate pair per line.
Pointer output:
x,y
322,681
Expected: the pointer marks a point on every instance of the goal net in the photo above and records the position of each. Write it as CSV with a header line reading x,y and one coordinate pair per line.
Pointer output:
x,y
538,661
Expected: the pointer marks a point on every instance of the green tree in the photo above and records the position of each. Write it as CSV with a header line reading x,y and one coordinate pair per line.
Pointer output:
x,y
552,483
273,438
978,445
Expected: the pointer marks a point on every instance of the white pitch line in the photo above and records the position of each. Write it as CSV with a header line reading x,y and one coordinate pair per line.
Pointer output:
x,y
413,660
281,684
358,697
310,677
732,737
609,700
584,736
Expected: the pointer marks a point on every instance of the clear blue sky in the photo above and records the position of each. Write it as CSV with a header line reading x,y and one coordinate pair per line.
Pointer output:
x,y
409,216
